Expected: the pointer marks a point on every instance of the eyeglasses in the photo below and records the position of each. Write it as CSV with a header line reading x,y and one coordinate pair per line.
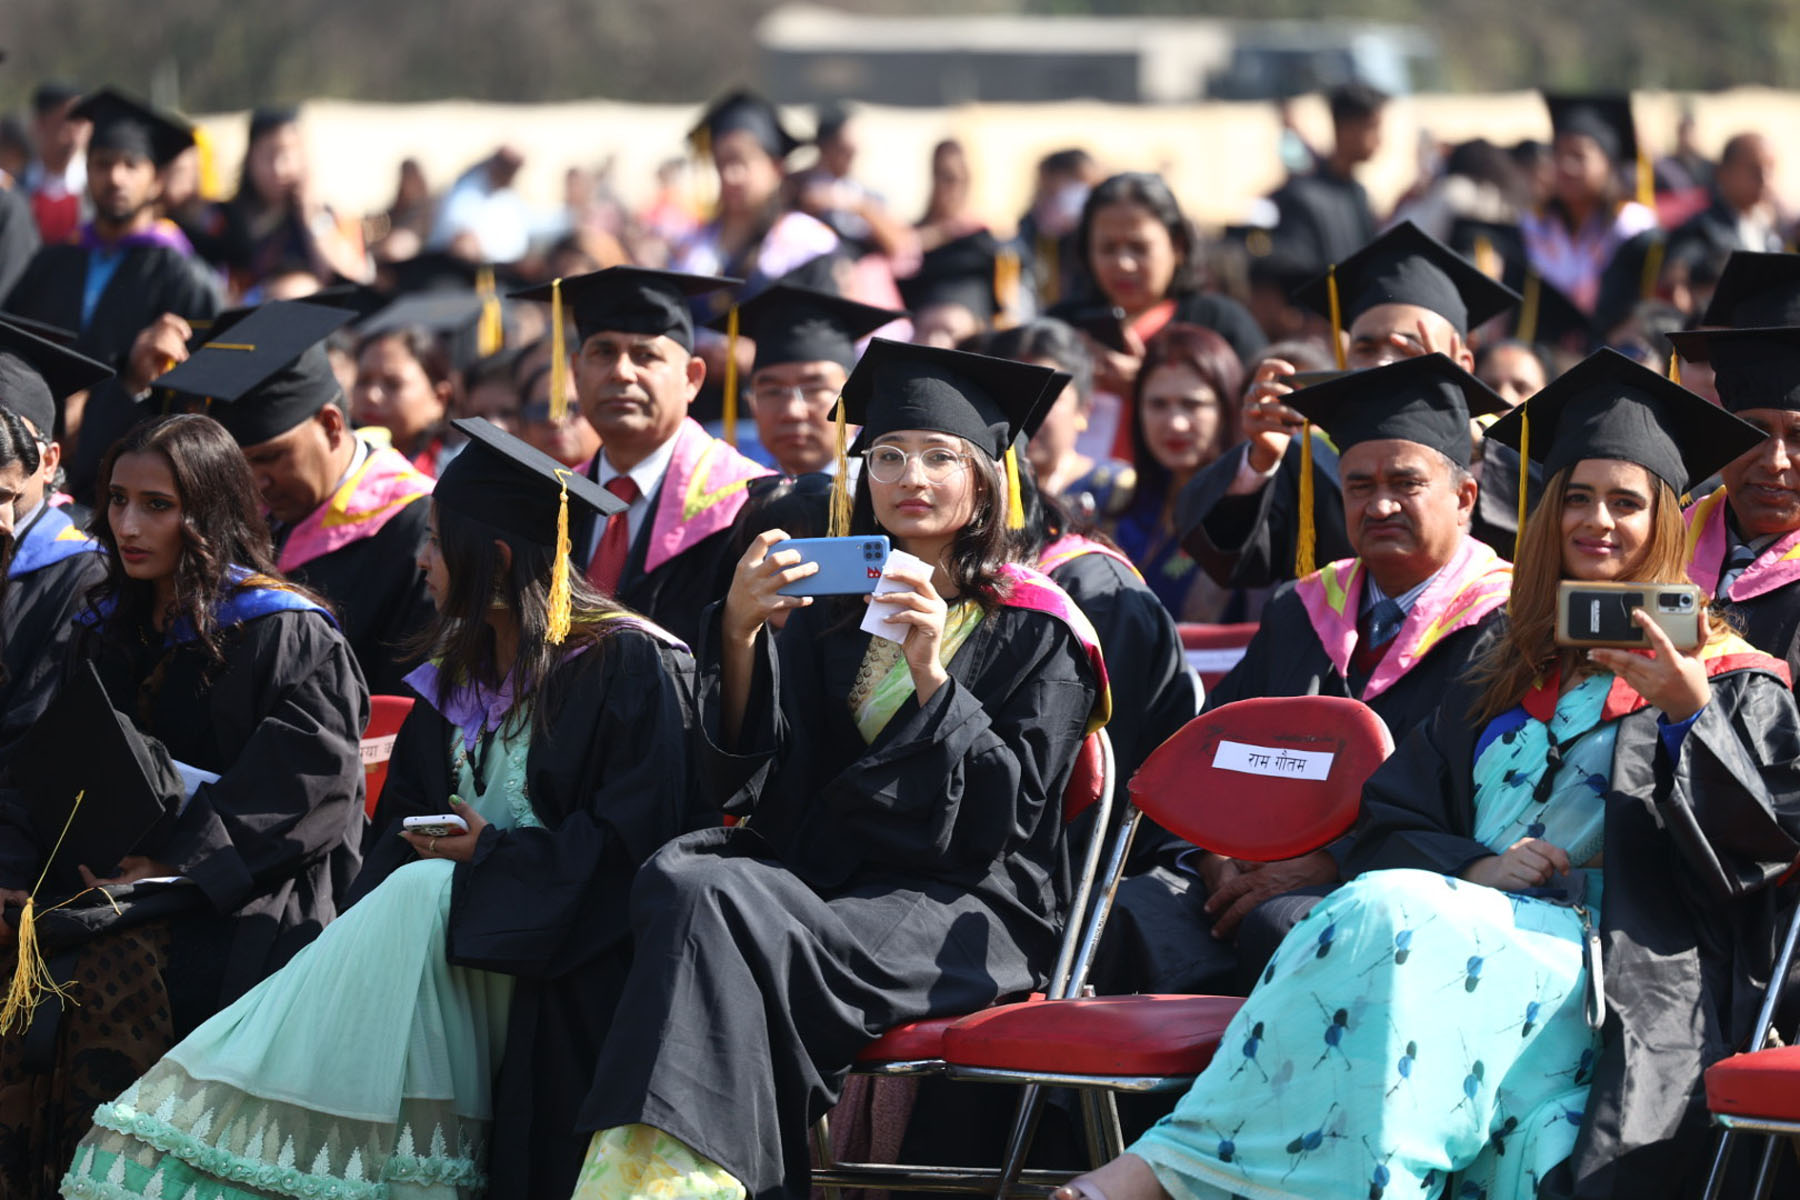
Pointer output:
x,y
887,464
817,397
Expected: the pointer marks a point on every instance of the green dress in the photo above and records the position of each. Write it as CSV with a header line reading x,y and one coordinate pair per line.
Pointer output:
x,y
361,1070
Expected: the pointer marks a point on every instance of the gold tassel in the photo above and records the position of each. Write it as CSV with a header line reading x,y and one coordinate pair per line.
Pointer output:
x,y
490,333
837,523
1337,317
32,981
729,401
1015,499
1524,476
1674,367
1006,287
1487,259
559,357
1646,180
556,625
1526,331
1306,548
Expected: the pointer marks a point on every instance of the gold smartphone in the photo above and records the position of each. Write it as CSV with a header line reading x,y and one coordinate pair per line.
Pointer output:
x,y
1599,614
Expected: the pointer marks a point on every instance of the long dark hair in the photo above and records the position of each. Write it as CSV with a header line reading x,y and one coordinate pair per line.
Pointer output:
x,y
17,445
461,639
1211,358
221,528
1150,192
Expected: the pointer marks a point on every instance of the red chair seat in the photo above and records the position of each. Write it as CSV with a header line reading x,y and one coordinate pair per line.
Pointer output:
x,y
910,1042
1765,1084
1102,1035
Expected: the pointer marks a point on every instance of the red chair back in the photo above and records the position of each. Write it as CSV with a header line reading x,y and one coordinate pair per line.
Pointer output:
x,y
386,715
1212,650
1264,779
1087,780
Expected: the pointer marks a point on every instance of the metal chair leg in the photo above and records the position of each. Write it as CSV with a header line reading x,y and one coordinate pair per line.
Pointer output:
x,y
1091,1128
1018,1144
821,1135
1765,1171
1715,1179
1110,1125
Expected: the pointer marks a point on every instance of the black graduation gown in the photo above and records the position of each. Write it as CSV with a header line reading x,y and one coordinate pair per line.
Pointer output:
x,y
611,781
378,594
1326,218
273,841
18,235
676,592
37,624
919,875
1771,623
1691,918
149,281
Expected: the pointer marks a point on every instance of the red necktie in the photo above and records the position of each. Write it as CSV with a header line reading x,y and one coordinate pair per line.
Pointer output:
x,y
615,543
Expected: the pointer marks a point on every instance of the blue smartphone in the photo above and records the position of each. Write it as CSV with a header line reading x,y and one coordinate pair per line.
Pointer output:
x,y
848,566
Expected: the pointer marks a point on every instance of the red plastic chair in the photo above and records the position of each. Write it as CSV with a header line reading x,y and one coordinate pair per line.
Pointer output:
x,y
1212,650
386,715
1758,1091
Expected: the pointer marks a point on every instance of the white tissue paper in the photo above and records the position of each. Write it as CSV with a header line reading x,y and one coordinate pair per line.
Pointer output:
x,y
875,620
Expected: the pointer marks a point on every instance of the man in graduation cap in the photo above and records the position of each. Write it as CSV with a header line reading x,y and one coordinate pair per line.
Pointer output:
x,y
345,512
1391,625
1746,534
668,555
128,266
53,562
1404,294
805,347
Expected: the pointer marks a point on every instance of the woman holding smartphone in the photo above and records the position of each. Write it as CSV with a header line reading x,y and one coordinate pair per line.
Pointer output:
x,y
1566,903
902,853
442,1031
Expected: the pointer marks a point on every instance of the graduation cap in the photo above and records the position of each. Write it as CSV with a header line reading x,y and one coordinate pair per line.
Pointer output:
x,y
37,373
267,373
1608,406
630,300
1752,368
443,312
516,488
792,324
1428,400
1406,265
128,125
743,109
360,298
439,270
1756,291
1603,116
968,271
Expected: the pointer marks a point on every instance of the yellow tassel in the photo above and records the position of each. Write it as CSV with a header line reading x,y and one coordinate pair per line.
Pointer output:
x,y
1524,476
32,981
837,523
1337,319
556,625
1006,287
490,333
1015,499
1487,259
559,357
1526,331
729,401
1306,548
207,151
1674,367
1646,180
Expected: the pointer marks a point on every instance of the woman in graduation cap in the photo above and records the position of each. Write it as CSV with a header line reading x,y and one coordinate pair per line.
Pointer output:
x,y
443,1031
253,706
1566,906
903,853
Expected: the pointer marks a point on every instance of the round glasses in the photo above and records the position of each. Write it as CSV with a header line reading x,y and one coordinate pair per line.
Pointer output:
x,y
887,464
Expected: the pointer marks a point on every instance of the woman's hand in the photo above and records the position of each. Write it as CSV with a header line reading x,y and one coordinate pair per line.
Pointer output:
x,y
755,593
1527,863
1674,682
1268,424
1116,372
132,868
921,610
457,847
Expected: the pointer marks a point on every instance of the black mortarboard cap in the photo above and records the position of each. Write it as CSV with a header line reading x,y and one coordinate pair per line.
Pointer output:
x,y
958,272
122,123
986,400
794,324
1608,406
1603,116
267,373
1406,265
1756,291
443,311
359,298
83,746
53,93
632,300
743,109
36,374
1752,368
516,488
1428,400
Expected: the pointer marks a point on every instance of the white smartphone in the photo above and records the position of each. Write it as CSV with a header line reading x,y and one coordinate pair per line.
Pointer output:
x,y
442,825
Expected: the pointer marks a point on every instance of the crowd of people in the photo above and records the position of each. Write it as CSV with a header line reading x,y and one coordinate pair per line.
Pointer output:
x,y
669,835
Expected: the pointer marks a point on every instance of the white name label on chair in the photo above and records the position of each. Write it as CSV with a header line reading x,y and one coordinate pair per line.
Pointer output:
x,y
1273,760
378,750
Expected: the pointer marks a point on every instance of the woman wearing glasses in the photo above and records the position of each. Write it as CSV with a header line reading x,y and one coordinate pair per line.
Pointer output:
x,y
901,854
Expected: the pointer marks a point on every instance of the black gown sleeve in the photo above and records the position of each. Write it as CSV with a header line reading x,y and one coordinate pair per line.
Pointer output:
x,y
1249,541
1418,807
